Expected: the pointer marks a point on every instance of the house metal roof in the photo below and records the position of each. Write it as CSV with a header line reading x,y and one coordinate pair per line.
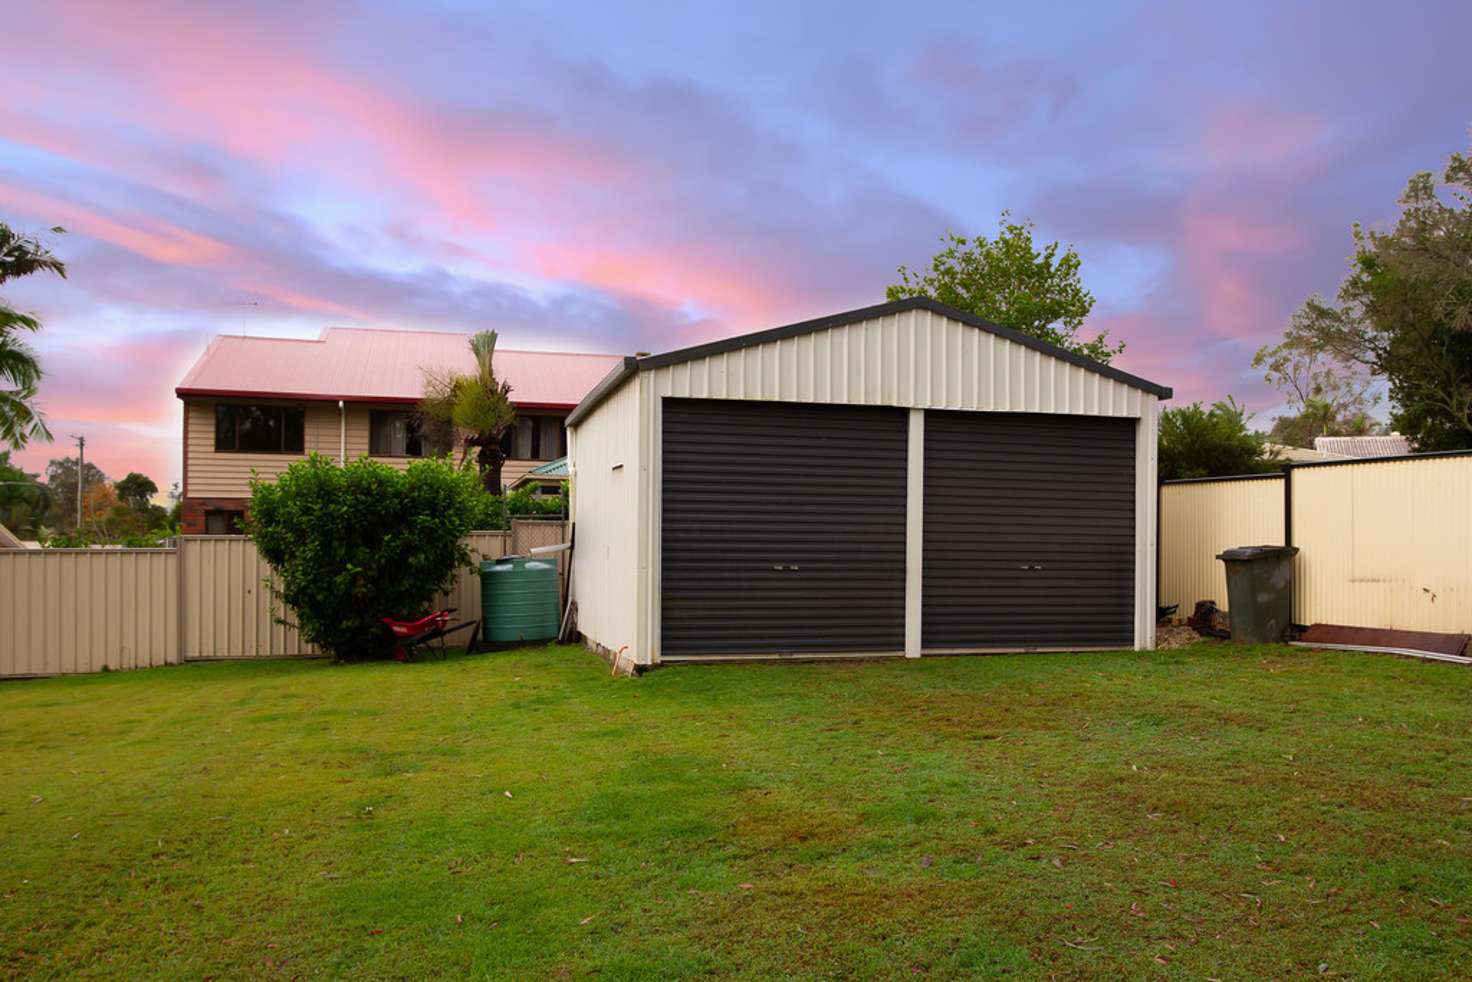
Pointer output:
x,y
375,365
1389,445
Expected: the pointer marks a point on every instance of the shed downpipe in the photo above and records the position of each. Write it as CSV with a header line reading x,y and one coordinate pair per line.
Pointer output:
x,y
342,433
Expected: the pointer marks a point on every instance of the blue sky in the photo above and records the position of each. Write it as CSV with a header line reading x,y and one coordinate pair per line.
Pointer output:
x,y
620,177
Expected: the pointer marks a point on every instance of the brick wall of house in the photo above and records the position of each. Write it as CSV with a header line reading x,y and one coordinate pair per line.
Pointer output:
x,y
192,511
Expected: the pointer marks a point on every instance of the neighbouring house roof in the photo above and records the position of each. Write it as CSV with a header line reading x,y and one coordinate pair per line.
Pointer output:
x,y
630,366
1302,455
8,539
552,470
1390,445
374,365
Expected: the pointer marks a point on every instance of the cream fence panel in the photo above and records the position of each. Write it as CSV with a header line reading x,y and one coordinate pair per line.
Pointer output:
x,y
1199,520
229,611
1385,544
64,611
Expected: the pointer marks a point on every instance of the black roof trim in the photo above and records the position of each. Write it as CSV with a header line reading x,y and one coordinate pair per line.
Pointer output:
x,y
1390,459
603,389
845,318
1270,475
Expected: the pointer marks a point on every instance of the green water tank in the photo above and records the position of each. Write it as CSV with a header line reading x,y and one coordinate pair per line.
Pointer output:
x,y
518,598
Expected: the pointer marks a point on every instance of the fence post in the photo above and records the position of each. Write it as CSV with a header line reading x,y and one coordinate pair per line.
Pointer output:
x,y
1288,536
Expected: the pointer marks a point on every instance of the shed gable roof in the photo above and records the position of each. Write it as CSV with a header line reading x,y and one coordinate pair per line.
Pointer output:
x,y
631,365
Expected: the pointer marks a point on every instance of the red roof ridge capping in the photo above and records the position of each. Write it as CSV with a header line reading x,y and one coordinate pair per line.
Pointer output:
x,y
382,365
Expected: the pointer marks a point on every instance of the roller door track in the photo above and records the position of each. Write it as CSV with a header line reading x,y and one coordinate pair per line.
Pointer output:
x,y
783,529
1029,532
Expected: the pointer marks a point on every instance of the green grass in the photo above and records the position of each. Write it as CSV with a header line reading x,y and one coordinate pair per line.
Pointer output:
x,y
1212,812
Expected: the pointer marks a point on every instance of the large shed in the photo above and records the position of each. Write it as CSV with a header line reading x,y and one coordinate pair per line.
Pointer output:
x,y
904,479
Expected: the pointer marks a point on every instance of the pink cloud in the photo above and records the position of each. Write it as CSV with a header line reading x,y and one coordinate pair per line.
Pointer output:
x,y
148,237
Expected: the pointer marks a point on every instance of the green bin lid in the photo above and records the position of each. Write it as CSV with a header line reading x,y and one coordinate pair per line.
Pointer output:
x,y
1258,552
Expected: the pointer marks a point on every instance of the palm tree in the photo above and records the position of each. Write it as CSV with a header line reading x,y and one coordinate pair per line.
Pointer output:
x,y
476,407
21,419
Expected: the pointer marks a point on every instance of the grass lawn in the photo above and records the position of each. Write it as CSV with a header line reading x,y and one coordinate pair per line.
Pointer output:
x,y
1211,812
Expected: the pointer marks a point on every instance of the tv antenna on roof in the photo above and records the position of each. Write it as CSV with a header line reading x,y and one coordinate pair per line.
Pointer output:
x,y
242,304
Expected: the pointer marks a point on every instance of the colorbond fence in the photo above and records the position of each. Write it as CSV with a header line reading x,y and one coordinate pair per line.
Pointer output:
x,y
1201,518
65,611
83,610
1383,543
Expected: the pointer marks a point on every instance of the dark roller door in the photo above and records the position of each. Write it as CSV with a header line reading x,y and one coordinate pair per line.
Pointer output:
x,y
784,528
1029,531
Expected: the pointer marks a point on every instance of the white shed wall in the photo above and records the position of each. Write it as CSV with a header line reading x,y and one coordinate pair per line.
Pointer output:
x,y
603,454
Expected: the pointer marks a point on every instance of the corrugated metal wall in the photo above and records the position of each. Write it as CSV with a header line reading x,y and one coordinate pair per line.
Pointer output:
x,y
64,611
1199,520
914,359
228,608
1385,544
605,456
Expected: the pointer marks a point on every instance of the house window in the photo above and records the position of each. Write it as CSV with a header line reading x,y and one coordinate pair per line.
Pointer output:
x,y
259,429
394,435
535,438
223,522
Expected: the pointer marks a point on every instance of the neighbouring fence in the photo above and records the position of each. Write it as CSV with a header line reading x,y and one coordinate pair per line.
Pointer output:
x,y
1383,543
83,610
1198,519
65,611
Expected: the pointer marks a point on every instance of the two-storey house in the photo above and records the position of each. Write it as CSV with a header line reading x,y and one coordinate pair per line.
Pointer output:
x,y
252,405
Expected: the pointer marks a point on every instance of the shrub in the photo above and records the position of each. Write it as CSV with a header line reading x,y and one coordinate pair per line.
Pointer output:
x,y
352,544
496,511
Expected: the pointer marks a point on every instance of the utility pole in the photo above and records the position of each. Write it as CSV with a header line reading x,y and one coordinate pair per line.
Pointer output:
x,y
81,477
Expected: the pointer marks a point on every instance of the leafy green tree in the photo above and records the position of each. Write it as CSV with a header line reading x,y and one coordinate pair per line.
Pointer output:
x,y
1404,312
1007,281
61,481
23,499
352,544
21,420
136,490
1215,442
1328,395
474,408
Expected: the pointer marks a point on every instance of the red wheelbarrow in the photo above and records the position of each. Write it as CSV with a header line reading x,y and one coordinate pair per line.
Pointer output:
x,y
410,636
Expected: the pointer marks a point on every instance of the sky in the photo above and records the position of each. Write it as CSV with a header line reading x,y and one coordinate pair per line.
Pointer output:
x,y
620,177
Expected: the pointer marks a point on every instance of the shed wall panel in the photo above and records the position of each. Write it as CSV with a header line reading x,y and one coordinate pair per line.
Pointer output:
x,y
915,359
606,480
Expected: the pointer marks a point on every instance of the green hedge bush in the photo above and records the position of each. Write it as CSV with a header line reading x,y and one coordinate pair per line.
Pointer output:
x,y
352,544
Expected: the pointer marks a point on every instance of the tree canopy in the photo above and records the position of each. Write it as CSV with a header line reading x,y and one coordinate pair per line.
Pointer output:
x,y
1214,442
136,490
23,499
21,420
1007,280
1404,313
